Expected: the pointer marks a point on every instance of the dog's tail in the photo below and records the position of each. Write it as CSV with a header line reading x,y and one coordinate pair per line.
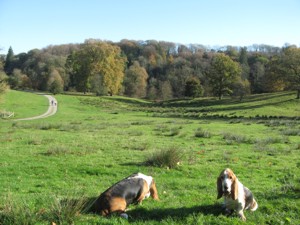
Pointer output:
x,y
254,205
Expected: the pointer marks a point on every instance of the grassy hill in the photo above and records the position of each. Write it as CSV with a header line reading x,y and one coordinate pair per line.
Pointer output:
x,y
49,167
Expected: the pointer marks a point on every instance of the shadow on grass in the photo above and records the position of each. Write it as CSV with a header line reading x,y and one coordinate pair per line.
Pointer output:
x,y
133,164
130,101
160,214
204,102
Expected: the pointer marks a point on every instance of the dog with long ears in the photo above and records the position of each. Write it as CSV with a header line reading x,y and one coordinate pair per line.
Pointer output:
x,y
131,190
237,196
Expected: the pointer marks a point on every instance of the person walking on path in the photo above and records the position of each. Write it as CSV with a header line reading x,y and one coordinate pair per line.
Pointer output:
x,y
52,109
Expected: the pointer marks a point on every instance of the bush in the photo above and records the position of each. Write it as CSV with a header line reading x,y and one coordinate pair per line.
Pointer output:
x,y
169,158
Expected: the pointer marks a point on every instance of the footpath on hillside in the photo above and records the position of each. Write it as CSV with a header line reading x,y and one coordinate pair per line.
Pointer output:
x,y
52,109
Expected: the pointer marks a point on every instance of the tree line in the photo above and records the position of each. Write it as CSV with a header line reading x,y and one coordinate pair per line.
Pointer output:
x,y
156,70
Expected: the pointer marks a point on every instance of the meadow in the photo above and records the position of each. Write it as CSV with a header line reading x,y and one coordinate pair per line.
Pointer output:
x,y
52,168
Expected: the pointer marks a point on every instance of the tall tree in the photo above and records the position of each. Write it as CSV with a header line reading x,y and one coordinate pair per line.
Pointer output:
x,y
8,66
177,74
274,79
135,82
101,59
291,63
243,60
222,74
258,64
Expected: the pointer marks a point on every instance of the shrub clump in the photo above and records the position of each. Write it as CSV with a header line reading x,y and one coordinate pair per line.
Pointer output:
x,y
169,158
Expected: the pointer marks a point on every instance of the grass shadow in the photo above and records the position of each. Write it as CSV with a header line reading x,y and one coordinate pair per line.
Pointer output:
x,y
130,101
160,214
133,164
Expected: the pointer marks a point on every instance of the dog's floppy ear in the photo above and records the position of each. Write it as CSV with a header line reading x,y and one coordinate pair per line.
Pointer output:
x,y
153,190
234,188
219,187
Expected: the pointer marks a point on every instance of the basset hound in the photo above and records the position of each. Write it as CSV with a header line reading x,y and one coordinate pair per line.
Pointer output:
x,y
131,190
237,196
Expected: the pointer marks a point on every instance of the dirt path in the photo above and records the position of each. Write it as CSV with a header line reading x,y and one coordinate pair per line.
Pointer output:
x,y
50,112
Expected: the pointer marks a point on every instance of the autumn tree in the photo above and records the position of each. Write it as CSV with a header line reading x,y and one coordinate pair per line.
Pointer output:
x,y
55,82
3,78
291,64
222,74
135,81
165,90
274,79
101,59
16,79
3,82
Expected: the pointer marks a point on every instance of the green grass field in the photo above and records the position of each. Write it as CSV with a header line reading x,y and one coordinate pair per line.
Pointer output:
x,y
50,167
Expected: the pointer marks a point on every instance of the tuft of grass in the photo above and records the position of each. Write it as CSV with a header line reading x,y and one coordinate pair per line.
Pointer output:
x,y
174,131
64,150
140,147
17,212
289,182
48,126
200,133
291,132
58,150
135,133
161,128
238,138
35,141
169,158
272,140
66,210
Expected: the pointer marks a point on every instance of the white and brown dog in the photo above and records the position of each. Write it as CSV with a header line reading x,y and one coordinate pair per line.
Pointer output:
x,y
131,190
237,196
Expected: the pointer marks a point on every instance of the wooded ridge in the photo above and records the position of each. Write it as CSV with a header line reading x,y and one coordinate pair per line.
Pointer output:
x,y
156,70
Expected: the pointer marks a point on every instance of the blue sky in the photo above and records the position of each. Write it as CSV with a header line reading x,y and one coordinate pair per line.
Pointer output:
x,y
29,24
